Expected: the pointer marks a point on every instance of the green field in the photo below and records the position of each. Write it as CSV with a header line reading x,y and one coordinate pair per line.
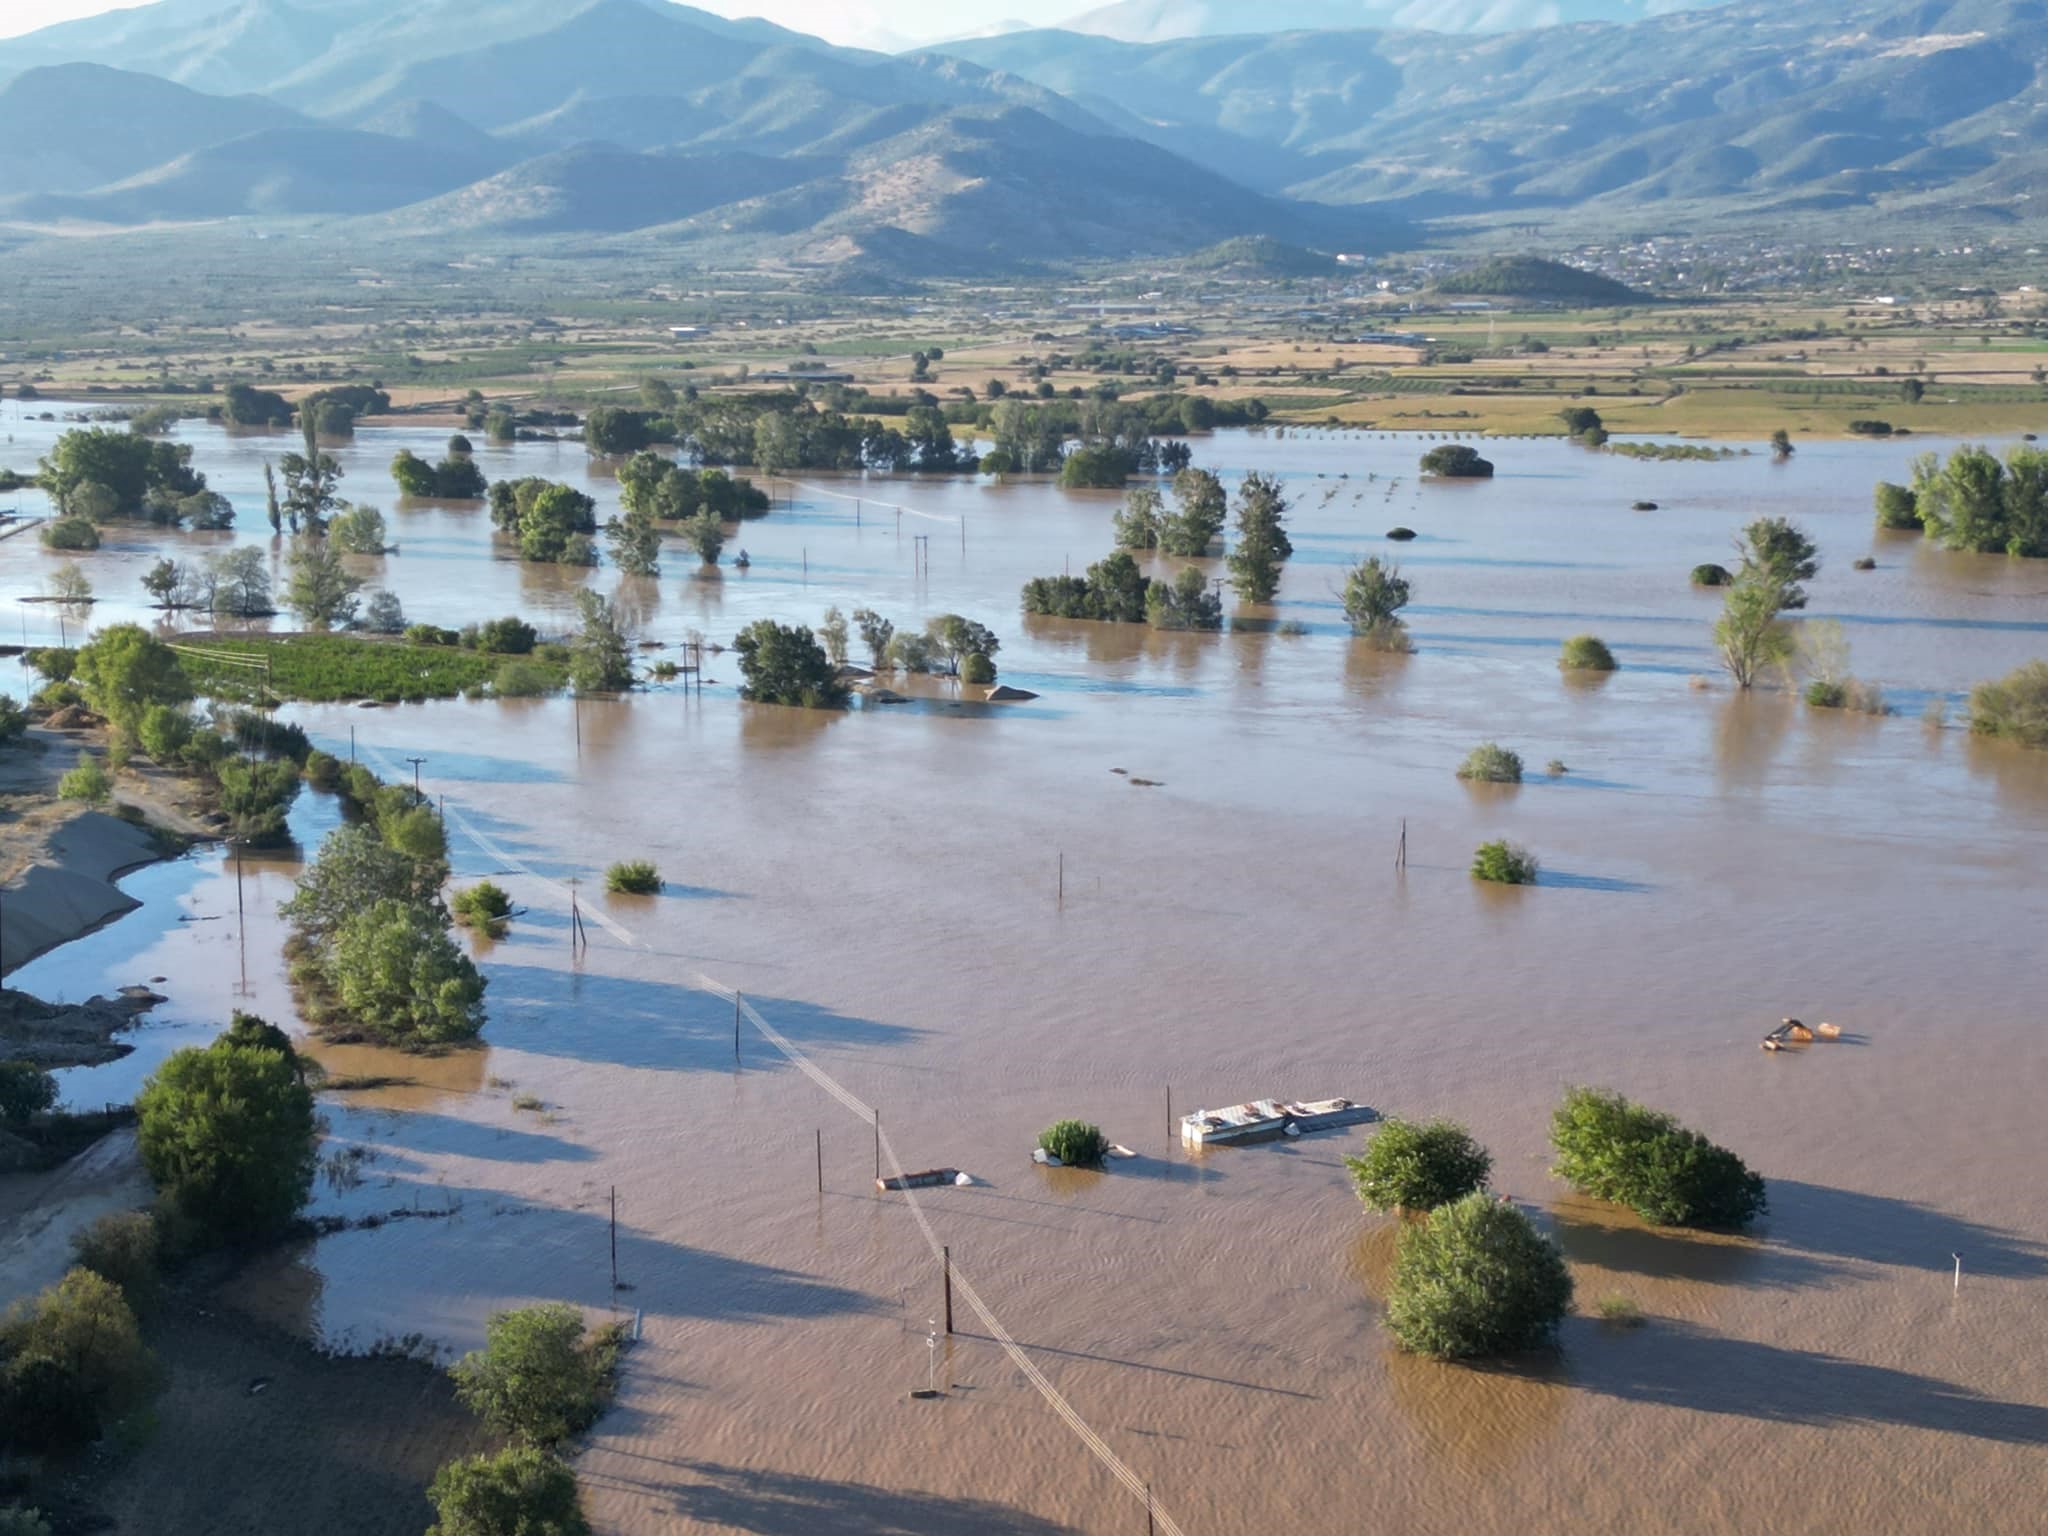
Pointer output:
x,y
336,668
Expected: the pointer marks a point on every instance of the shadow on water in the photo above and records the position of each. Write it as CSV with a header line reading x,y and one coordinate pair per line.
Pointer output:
x,y
1878,1230
1592,1232
655,1025
425,1131
1564,879
786,1504
1679,1365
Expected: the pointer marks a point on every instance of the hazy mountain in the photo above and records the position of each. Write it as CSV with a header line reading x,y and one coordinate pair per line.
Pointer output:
x,y
1747,108
1159,21
74,126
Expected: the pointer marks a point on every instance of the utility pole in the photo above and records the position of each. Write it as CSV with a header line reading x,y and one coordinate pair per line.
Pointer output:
x,y
417,797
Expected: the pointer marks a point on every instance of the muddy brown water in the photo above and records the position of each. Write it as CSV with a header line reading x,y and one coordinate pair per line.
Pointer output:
x,y
882,885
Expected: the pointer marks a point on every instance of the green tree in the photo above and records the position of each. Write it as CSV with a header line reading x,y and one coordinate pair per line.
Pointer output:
x,y
70,586
1612,1149
255,796
551,521
26,1090
1778,550
635,541
1076,1143
310,478
784,664
414,475
1186,602
516,1492
1198,516
875,633
357,530
1749,634
400,977
2014,707
1476,1279
1585,653
1456,461
1781,444
228,1136
122,464
72,532
615,431
1504,863
538,1379
72,1361
1262,542
164,731
124,669
832,634
954,638
1138,521
239,580
354,871
1418,1166
705,534
318,587
122,1248
1375,592
599,661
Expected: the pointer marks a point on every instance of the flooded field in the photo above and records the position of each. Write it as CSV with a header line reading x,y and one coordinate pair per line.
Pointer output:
x,y
883,886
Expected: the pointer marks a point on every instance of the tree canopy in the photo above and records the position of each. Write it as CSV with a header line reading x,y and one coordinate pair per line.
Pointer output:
x,y
228,1136
1418,1166
784,664
1476,1279
1613,1149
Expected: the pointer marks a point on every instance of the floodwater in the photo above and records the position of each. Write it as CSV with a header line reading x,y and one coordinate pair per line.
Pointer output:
x,y
884,886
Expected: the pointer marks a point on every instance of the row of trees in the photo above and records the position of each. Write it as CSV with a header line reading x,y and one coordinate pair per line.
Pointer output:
x,y
1972,501
1474,1276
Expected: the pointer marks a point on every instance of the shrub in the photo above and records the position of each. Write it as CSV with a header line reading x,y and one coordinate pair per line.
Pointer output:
x,y
1489,763
323,771
516,679
122,1248
74,1363
1824,693
1555,768
1612,1149
1375,592
636,877
1476,1279
228,1134
2014,707
977,668
255,797
383,613
13,720
1504,863
1898,507
538,1379
509,636
88,781
1711,576
1456,461
165,730
1619,1310
1075,1143
400,977
517,1492
784,664
483,905
26,1090
1586,653
1418,1167
71,533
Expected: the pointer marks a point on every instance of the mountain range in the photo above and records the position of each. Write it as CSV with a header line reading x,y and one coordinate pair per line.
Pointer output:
x,y
449,119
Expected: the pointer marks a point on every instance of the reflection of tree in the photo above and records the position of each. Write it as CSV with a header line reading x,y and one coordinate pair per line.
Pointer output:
x,y
778,727
2019,775
1748,731
1373,674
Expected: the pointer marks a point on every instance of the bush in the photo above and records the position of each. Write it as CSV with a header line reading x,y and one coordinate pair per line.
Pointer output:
x,y
1418,1167
166,730
1476,1279
517,1492
1455,461
1711,576
1586,653
26,1090
509,636
1504,863
122,1248
88,781
537,1379
2014,707
75,1362
517,679
636,877
1619,1310
255,797
977,668
228,1134
323,771
1489,763
1614,1150
1075,1143
401,978
13,720
483,905
1898,507
1825,693
71,533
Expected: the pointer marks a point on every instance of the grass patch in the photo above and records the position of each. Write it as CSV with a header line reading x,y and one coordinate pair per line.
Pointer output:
x,y
1619,1310
634,877
332,668
1075,1143
528,1101
2015,707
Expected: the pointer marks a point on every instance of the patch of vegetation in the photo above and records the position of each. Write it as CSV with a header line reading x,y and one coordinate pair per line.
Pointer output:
x,y
72,1364
1504,863
784,664
88,781
1711,575
1898,508
541,1376
1076,1143
483,905
636,877
1456,461
1670,452
123,1248
1375,592
1476,1279
1411,1166
335,668
1612,1149
2015,707
26,1090
1534,277
1114,590
1491,763
1585,653
1619,1311
519,1491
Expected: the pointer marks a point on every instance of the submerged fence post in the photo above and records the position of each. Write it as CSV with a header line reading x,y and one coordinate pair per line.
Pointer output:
x,y
878,1146
615,1237
820,1134
946,1259
735,1029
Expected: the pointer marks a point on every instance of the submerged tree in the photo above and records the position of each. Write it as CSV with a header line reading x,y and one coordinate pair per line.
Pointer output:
x,y
1374,594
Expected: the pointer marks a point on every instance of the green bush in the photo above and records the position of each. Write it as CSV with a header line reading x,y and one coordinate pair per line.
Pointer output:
x,y
1711,575
1504,863
1612,1149
538,1379
74,1362
26,1090
1826,693
482,905
400,978
1075,1143
2015,706
323,771
255,797
1489,763
1476,1279
1619,1310
517,1492
228,1136
88,781
977,668
1898,507
1586,653
518,679
634,877
1418,1167
509,636
71,533
784,664
1456,461
165,730
13,720
122,1248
